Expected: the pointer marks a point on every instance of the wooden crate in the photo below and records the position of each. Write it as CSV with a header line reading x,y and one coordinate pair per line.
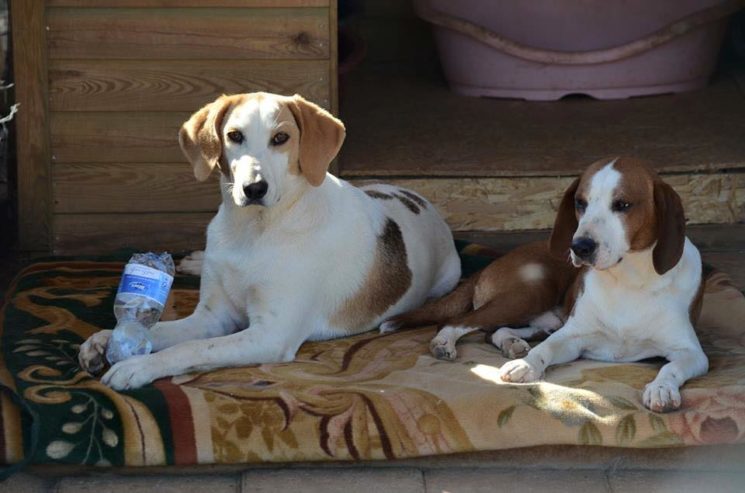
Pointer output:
x,y
104,86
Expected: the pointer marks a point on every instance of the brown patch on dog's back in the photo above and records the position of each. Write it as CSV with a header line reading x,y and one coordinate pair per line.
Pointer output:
x,y
387,281
412,201
416,198
378,195
410,204
517,299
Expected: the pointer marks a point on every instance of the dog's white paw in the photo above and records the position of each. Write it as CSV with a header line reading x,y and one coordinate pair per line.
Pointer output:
x,y
192,263
519,371
389,326
92,352
443,348
512,347
131,373
661,396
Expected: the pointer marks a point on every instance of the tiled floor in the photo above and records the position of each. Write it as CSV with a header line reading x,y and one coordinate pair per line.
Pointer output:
x,y
391,480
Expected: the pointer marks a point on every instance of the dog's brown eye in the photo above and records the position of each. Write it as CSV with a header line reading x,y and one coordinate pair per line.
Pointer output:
x,y
235,136
280,138
620,206
580,205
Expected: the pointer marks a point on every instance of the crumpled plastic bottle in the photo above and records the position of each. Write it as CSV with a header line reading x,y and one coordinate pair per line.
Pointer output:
x,y
139,302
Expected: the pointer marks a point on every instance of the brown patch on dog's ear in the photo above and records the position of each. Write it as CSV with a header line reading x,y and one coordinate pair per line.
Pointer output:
x,y
200,138
671,225
565,224
321,136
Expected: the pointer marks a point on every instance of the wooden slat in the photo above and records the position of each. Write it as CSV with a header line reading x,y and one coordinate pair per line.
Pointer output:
x,y
154,187
475,204
105,233
188,3
116,137
188,33
177,85
496,204
334,56
32,131
334,70
728,239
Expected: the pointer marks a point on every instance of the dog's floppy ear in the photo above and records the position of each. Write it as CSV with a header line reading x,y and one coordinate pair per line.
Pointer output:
x,y
565,224
671,225
321,136
200,140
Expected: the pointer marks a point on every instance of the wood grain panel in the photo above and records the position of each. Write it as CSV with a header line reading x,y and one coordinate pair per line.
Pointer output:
x,y
494,204
483,204
334,70
116,137
155,187
228,33
177,85
32,131
334,57
188,3
728,239
104,233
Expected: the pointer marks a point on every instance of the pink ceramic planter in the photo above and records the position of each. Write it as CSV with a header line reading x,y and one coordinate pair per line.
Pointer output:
x,y
546,49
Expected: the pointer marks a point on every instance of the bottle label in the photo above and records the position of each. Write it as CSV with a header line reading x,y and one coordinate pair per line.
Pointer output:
x,y
145,281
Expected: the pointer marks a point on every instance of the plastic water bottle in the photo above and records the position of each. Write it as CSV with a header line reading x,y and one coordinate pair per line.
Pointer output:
x,y
139,302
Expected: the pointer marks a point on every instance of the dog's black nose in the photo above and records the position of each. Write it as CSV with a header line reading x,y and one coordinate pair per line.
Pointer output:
x,y
257,190
584,247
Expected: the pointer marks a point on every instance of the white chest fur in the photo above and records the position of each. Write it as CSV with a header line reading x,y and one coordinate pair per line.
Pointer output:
x,y
629,312
267,262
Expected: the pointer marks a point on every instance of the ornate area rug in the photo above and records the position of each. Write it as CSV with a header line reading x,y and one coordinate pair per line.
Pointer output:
x,y
363,397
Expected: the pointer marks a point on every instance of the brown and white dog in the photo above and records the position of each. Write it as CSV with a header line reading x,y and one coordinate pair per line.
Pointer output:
x,y
632,291
293,253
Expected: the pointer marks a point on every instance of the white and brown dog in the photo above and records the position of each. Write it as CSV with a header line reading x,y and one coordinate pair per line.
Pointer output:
x,y
293,254
633,291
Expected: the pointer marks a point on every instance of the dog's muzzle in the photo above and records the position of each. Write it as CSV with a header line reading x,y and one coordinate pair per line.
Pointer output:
x,y
584,249
255,192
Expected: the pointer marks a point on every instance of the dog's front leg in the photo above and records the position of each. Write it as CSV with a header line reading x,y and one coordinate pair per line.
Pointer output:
x,y
562,346
215,315
201,324
263,342
662,394
204,323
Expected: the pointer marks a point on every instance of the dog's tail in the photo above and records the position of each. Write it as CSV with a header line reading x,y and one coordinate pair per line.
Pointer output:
x,y
438,311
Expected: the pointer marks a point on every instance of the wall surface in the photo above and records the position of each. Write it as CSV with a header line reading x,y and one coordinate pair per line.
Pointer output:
x,y
107,84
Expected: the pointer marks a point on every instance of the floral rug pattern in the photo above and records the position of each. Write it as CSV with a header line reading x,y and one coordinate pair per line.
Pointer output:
x,y
363,397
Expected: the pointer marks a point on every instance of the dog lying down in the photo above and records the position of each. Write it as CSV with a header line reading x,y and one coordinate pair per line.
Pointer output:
x,y
293,254
632,291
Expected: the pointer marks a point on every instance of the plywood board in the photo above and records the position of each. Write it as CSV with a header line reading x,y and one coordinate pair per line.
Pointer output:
x,y
32,125
133,187
401,123
208,34
120,205
494,204
116,137
178,85
77,234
